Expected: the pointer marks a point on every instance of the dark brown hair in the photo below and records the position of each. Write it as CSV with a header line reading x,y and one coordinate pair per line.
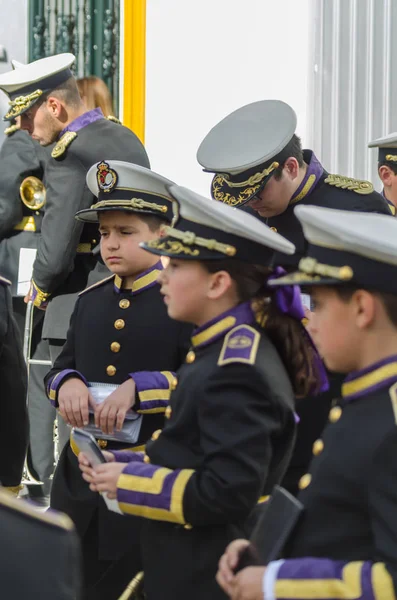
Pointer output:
x,y
67,92
287,334
389,301
292,149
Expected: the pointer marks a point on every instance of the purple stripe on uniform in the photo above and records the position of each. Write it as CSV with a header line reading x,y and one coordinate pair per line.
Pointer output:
x,y
150,380
59,378
243,314
381,363
155,500
83,120
323,568
126,456
311,568
313,168
366,581
148,405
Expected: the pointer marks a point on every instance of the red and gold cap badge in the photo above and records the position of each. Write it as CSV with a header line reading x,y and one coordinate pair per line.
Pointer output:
x,y
106,177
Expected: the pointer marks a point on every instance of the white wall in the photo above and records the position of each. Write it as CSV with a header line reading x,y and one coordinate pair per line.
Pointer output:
x,y
205,58
13,36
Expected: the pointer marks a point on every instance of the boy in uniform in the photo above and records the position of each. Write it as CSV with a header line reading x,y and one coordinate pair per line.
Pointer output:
x,y
120,340
345,545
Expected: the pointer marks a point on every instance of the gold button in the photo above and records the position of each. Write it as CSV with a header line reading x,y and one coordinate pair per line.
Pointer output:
x,y
188,526
304,481
124,303
168,412
274,229
111,370
115,347
335,414
146,459
318,447
156,434
102,443
174,383
190,357
94,242
119,324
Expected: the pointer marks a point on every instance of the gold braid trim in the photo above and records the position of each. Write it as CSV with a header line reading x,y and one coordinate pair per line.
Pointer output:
x,y
21,103
41,296
348,183
63,143
391,157
11,129
132,203
191,239
310,266
252,183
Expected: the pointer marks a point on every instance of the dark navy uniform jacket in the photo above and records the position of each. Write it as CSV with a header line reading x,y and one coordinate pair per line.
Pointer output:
x,y
20,227
64,258
228,438
113,333
345,546
318,188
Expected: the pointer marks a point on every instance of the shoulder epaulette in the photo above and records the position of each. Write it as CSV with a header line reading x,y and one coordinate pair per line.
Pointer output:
x,y
63,143
4,281
114,119
11,129
348,183
240,346
393,398
97,284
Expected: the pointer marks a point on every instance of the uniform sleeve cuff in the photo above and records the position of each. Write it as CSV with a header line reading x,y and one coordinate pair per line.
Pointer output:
x,y
269,579
38,297
153,390
55,383
153,492
126,456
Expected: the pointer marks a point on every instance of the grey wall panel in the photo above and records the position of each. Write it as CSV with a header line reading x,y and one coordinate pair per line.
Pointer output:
x,y
353,92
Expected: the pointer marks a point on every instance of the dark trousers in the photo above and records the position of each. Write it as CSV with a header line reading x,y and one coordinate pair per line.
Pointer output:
x,y
41,413
110,542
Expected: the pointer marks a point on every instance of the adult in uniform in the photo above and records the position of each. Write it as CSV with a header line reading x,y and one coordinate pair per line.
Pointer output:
x,y
345,545
231,421
387,167
13,411
259,163
45,96
20,225
120,335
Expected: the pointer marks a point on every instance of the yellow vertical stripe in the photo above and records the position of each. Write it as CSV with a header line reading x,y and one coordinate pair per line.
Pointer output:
x,y
134,84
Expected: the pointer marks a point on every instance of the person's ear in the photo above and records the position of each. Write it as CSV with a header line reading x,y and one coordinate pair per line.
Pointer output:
x,y
385,175
219,284
364,308
291,167
54,106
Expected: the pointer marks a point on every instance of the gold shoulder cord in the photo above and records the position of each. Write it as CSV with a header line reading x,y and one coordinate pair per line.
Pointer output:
x,y
64,142
348,183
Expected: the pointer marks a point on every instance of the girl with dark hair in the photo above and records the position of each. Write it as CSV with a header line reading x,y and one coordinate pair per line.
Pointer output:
x,y
231,420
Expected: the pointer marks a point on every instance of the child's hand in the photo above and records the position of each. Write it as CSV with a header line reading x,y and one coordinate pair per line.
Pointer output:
x,y
111,413
74,399
103,478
